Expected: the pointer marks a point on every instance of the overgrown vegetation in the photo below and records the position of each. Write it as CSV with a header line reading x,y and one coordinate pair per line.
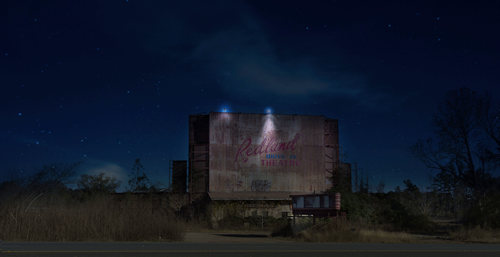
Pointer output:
x,y
391,212
50,218
43,208
233,215
476,235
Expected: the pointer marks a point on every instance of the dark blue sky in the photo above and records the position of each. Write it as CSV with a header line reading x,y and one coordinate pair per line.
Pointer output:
x,y
110,81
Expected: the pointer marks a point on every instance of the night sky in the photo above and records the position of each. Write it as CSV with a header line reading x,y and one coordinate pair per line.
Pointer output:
x,y
106,82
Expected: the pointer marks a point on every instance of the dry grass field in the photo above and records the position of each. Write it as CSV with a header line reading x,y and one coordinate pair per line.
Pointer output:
x,y
35,218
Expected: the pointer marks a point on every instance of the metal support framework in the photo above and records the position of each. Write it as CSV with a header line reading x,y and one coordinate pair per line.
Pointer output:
x,y
331,147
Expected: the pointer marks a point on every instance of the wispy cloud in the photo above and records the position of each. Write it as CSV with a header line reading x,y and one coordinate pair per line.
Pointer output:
x,y
236,53
245,63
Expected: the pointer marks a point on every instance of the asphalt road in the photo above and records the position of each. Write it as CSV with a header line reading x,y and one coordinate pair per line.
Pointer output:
x,y
288,249
240,245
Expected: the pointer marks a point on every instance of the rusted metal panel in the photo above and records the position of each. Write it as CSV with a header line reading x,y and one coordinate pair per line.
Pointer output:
x,y
337,201
198,153
270,153
344,179
179,176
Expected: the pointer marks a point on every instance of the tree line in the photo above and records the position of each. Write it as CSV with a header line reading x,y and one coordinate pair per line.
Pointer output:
x,y
464,154
56,178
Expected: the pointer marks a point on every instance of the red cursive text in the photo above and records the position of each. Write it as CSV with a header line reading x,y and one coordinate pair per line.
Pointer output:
x,y
269,144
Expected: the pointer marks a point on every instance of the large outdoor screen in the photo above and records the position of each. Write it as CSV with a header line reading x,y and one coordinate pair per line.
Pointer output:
x,y
266,153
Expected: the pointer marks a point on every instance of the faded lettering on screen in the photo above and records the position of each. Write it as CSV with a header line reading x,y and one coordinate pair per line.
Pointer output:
x,y
271,149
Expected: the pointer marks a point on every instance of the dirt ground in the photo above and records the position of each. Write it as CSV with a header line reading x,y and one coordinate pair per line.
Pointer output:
x,y
232,237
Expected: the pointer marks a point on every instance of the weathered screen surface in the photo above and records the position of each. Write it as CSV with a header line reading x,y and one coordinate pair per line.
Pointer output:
x,y
267,153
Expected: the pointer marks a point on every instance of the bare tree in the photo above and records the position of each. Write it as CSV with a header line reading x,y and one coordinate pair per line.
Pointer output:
x,y
139,181
381,187
461,149
489,120
52,177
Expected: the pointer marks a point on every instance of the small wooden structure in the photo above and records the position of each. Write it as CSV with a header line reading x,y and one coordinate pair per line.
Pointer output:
x,y
316,205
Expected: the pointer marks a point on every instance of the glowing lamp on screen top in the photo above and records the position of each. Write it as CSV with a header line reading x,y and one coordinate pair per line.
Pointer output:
x,y
224,109
269,110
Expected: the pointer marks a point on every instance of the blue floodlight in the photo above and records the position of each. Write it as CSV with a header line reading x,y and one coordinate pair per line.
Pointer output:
x,y
269,110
